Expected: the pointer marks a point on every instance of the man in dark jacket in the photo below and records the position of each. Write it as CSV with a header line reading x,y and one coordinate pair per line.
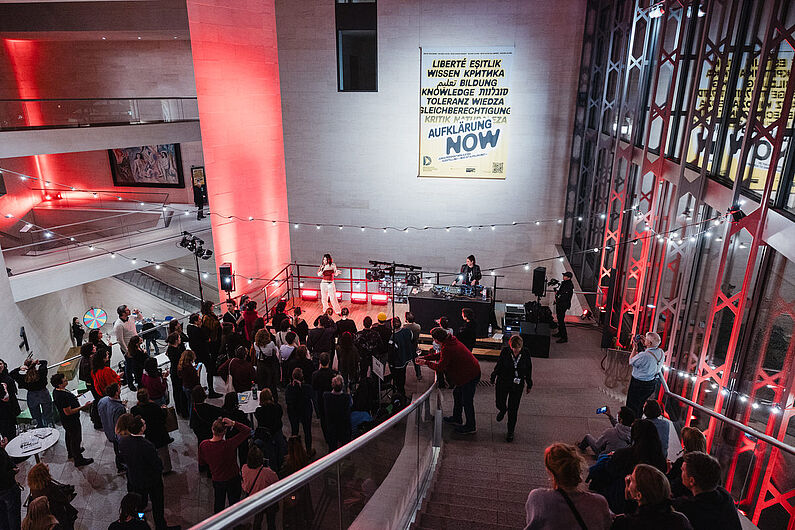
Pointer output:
x,y
401,351
368,342
562,304
337,409
711,506
321,337
463,372
144,470
468,333
199,340
321,383
513,371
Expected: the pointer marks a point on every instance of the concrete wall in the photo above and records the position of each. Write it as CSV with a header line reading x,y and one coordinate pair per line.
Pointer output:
x,y
46,318
96,69
352,157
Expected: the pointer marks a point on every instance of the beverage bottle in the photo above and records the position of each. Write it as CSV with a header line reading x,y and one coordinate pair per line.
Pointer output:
x,y
254,391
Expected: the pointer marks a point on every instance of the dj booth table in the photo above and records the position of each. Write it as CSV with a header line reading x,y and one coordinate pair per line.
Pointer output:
x,y
429,305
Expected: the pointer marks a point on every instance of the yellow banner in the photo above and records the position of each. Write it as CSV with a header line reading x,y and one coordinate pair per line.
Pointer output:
x,y
464,112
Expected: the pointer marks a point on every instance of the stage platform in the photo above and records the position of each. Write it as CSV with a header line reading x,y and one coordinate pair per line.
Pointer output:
x,y
487,347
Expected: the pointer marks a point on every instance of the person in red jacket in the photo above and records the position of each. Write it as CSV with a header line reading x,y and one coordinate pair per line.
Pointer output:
x,y
221,457
462,371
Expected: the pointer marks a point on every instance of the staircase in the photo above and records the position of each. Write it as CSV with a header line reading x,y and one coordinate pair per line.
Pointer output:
x,y
161,290
481,481
475,488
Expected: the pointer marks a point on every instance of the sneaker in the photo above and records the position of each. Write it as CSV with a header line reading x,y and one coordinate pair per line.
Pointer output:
x,y
84,462
509,437
561,341
451,419
465,430
500,415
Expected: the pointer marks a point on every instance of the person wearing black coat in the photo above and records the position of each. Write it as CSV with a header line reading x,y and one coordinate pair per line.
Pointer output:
x,y
467,333
562,304
174,351
9,404
155,417
321,337
513,373
337,409
144,470
298,397
321,383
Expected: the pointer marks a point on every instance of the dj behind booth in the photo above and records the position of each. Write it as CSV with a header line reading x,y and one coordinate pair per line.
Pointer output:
x,y
429,301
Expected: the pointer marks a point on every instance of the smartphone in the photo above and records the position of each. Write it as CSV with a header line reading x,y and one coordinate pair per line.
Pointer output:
x,y
601,410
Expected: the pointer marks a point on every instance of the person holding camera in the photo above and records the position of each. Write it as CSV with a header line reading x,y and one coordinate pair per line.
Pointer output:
x,y
513,369
646,361
562,304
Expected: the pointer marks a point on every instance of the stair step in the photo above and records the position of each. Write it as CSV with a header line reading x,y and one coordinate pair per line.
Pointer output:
x,y
439,522
455,489
475,475
504,506
468,513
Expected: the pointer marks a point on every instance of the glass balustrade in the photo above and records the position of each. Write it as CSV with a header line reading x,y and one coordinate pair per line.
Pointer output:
x,y
17,114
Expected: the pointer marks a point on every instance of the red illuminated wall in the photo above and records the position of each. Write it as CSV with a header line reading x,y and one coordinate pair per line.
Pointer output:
x,y
236,66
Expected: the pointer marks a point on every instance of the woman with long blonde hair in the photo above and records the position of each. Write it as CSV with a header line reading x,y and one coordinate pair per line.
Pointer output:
x,y
39,516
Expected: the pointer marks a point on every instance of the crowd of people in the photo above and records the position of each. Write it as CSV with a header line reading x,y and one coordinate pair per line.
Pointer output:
x,y
322,371
633,486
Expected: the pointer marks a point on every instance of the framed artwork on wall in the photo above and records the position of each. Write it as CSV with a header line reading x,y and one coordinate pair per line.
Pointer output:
x,y
158,166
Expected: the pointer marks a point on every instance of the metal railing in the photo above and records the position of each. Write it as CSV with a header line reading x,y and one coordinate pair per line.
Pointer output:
x,y
160,289
354,280
21,114
733,423
389,501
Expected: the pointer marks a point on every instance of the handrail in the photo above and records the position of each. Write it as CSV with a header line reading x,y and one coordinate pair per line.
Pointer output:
x,y
264,498
734,423
96,99
144,273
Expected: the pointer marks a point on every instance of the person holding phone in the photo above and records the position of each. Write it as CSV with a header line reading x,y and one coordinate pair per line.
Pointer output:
x,y
616,437
327,272
646,361
513,370
129,516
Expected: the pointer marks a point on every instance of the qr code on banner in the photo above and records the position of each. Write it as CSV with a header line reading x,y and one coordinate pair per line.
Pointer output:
x,y
496,167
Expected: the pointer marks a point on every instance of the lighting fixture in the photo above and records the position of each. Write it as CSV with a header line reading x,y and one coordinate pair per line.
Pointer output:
x,y
157,266
182,269
656,11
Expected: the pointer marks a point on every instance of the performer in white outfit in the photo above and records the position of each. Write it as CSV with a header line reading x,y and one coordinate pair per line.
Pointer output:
x,y
327,289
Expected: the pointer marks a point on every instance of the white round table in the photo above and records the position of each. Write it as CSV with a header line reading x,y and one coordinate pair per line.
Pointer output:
x,y
32,443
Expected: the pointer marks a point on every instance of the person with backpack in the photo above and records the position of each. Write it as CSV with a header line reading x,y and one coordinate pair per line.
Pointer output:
x,y
266,355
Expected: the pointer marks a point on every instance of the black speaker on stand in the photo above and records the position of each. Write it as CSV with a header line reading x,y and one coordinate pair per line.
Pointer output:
x,y
540,281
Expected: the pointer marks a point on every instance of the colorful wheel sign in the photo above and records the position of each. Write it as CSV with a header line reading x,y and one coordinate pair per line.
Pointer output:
x,y
95,318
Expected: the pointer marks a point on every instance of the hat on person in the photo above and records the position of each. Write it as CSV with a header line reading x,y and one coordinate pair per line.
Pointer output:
x,y
567,274
382,317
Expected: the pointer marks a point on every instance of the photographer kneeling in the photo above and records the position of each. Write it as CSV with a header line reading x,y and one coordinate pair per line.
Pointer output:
x,y
646,365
